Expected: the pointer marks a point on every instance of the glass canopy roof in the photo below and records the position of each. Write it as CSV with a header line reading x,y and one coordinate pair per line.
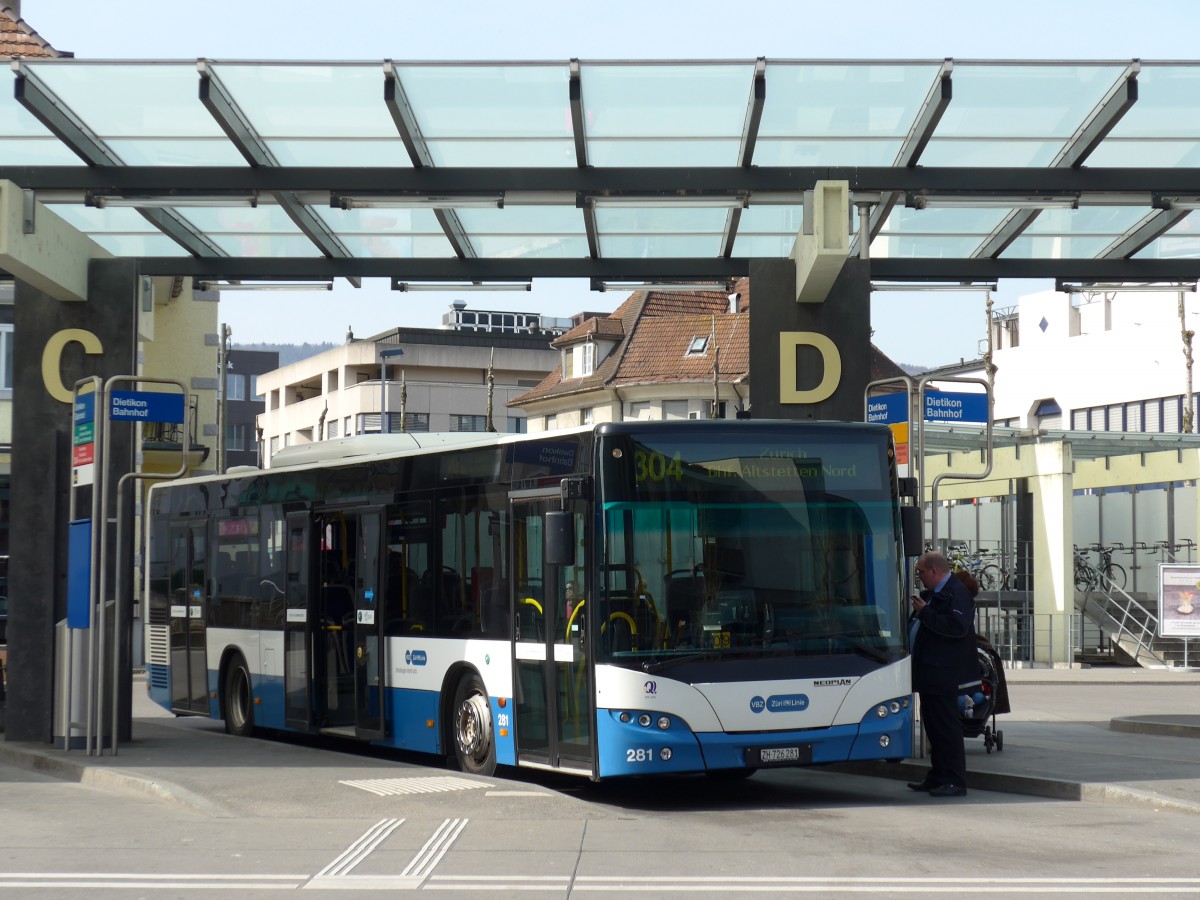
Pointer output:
x,y
689,160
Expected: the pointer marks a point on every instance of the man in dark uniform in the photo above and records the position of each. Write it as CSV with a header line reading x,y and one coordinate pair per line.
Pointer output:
x,y
943,659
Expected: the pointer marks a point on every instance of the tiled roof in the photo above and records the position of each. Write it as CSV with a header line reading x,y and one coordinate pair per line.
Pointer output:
x,y
599,326
17,39
659,353
657,329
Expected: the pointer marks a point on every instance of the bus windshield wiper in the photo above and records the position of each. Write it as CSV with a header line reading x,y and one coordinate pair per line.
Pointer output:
x,y
673,661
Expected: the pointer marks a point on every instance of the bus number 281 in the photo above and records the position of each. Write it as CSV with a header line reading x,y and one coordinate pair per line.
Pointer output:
x,y
639,755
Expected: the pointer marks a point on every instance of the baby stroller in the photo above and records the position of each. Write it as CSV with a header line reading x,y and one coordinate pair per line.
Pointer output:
x,y
981,701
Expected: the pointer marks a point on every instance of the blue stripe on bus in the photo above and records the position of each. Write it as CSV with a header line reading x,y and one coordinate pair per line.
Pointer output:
x,y
632,749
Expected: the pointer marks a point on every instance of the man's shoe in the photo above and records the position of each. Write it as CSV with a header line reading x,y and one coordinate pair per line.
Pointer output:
x,y
948,790
922,785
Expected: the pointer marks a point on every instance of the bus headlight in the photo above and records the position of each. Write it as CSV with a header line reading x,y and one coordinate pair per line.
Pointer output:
x,y
884,740
625,718
644,720
894,706
664,722
881,710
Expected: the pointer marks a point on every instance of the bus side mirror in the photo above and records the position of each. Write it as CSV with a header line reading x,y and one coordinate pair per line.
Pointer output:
x,y
910,527
560,538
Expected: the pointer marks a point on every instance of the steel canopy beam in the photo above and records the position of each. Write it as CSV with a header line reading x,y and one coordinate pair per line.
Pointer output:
x,y
409,128
562,184
254,150
982,270
754,108
1120,97
674,269
688,269
579,131
1145,232
31,93
926,122
578,126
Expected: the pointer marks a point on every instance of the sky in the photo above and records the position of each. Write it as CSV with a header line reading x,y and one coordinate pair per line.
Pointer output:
x,y
612,30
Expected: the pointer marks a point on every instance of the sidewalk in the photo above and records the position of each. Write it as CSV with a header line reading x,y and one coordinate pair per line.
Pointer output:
x,y
1109,734
1113,735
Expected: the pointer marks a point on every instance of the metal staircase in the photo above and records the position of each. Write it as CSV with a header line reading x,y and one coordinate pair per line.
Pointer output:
x,y
1131,626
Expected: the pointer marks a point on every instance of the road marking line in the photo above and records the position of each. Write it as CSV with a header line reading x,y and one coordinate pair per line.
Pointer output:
x,y
435,848
387,787
518,794
360,849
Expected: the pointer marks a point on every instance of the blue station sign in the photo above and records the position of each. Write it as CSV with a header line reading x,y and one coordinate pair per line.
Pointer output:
x,y
85,409
146,406
945,406
888,409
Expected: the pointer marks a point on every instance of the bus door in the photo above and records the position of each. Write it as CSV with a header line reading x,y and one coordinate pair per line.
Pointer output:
x,y
298,631
369,617
189,606
555,710
335,614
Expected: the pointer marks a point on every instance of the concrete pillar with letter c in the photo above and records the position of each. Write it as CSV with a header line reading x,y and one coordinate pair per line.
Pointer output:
x,y
59,341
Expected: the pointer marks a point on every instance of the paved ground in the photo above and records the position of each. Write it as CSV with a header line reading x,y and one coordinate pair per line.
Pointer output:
x,y
1105,734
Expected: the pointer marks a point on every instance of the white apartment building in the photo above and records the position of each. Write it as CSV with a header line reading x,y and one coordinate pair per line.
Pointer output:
x,y
424,379
1097,361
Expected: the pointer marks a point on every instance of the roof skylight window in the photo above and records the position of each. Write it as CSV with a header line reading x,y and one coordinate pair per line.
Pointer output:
x,y
698,346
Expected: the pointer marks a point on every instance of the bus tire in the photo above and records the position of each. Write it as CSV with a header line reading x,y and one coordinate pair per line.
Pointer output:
x,y
238,698
471,726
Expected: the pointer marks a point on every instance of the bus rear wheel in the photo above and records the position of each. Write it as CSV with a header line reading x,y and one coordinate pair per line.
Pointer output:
x,y
239,699
474,740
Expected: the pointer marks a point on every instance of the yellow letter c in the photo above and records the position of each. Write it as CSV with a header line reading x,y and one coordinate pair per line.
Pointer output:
x,y
52,359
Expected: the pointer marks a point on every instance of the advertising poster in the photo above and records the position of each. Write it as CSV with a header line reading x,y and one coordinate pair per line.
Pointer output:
x,y
1179,600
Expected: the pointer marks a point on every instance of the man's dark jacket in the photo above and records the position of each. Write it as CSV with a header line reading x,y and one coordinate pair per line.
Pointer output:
x,y
944,654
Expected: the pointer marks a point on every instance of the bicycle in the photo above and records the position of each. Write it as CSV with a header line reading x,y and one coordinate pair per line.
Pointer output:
x,y
1111,572
987,574
1086,578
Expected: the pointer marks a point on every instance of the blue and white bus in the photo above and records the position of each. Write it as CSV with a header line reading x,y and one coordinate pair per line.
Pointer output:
x,y
629,598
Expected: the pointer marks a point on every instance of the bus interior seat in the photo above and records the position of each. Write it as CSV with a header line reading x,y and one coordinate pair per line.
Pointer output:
x,y
530,619
493,608
684,595
617,632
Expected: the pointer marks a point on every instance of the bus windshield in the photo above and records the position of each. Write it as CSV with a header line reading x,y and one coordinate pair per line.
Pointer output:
x,y
718,546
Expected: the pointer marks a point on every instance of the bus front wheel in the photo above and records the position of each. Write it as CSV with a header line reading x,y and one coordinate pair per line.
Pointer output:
x,y
239,699
474,741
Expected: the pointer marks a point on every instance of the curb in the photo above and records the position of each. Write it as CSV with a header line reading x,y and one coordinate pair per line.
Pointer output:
x,y
1027,785
1169,726
34,760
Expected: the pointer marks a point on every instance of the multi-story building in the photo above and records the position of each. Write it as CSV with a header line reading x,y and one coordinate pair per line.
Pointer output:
x,y
423,379
244,403
1097,361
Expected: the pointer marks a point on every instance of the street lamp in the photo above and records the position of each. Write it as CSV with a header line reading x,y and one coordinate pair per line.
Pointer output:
x,y
384,356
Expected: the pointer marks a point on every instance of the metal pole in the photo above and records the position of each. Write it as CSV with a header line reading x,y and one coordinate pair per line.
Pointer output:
x,y
96,601
383,394
1188,335
119,588
222,379
403,401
